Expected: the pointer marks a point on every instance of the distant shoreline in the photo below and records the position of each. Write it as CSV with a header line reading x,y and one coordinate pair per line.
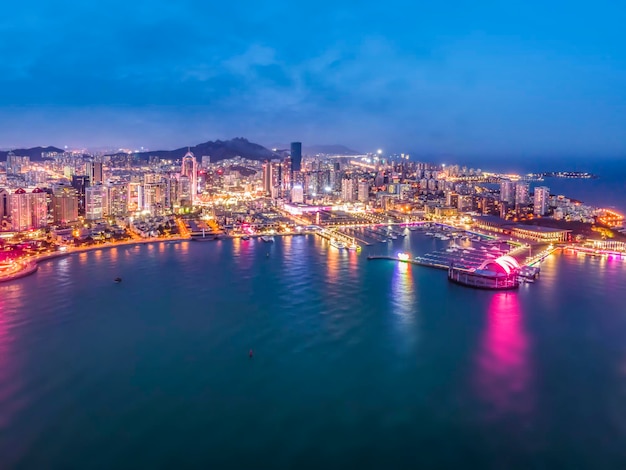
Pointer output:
x,y
30,265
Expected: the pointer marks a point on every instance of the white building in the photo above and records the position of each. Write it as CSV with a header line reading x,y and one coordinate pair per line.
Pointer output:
x,y
95,202
541,199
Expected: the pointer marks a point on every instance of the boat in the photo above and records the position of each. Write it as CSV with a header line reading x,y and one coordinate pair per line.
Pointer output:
x,y
245,237
267,238
337,244
117,280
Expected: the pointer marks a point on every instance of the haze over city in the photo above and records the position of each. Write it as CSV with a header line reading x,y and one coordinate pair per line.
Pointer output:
x,y
519,79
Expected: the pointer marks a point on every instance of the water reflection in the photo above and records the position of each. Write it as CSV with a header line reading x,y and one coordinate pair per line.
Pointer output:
x,y
403,291
503,370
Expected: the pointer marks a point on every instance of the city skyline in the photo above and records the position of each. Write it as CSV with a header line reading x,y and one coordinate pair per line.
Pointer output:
x,y
438,80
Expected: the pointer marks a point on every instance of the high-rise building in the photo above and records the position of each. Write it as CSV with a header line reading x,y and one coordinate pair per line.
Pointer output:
x,y
522,196
206,161
39,204
5,203
95,202
64,205
21,211
347,189
541,200
154,198
189,169
16,164
297,193
267,177
79,183
507,192
117,200
28,210
94,172
296,156
363,191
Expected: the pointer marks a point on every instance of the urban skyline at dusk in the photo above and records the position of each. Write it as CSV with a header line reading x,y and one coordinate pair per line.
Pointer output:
x,y
336,234
516,80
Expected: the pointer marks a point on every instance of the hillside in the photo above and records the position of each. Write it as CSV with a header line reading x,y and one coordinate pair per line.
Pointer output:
x,y
34,153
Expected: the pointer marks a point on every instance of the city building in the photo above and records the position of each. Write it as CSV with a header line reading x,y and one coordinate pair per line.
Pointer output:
x,y
296,156
117,199
541,200
190,171
522,194
94,172
507,192
363,192
297,193
64,205
95,202
5,203
347,189
28,210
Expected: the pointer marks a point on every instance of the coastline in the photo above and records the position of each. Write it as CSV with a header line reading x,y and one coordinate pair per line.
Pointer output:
x,y
30,265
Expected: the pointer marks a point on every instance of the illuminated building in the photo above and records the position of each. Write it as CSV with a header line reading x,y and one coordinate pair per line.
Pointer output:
x,y
79,183
267,177
95,202
184,191
5,203
497,274
154,198
28,210
541,199
16,164
363,191
21,213
117,200
94,172
507,192
64,205
297,193
347,189
189,170
522,197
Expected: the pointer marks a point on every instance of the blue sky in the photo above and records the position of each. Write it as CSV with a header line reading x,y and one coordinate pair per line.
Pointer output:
x,y
498,78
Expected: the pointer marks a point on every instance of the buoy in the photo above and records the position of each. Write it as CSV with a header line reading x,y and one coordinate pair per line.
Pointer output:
x,y
250,354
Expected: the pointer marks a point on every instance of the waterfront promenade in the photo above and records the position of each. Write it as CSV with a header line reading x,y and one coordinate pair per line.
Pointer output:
x,y
28,265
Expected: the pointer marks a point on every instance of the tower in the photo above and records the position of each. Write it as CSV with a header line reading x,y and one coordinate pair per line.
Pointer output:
x,y
296,156
541,198
190,170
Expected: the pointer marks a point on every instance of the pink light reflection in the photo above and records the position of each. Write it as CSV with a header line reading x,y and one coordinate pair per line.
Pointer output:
x,y
503,370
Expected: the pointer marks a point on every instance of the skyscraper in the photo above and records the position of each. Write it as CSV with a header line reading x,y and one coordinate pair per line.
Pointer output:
x,y
95,202
94,172
64,205
347,189
79,183
267,177
117,200
190,170
507,192
522,195
541,199
21,213
5,203
28,210
363,191
296,156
